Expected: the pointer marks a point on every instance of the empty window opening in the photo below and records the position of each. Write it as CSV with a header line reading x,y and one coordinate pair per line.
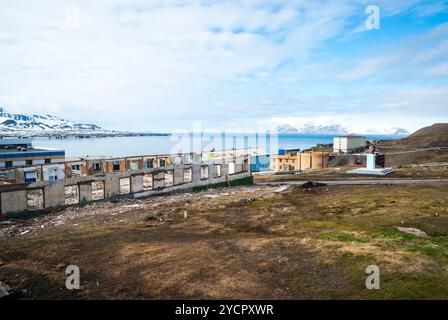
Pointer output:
x,y
217,170
231,167
176,160
133,164
125,185
116,165
169,179
76,170
30,176
162,162
52,174
35,199
188,159
47,160
71,195
97,190
96,166
147,182
204,172
149,163
187,175
29,162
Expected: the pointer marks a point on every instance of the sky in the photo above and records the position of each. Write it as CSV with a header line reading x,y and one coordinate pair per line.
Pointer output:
x,y
228,65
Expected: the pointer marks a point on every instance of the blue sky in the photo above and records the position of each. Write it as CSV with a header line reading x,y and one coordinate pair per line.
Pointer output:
x,y
234,65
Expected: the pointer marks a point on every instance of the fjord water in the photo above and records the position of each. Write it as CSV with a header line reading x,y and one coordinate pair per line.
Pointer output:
x,y
145,145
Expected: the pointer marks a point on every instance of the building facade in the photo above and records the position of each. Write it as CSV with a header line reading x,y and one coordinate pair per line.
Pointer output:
x,y
21,152
347,144
292,160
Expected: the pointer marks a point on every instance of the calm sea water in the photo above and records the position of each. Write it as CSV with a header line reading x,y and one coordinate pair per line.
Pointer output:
x,y
130,146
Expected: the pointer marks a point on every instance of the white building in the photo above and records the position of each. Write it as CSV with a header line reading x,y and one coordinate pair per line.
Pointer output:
x,y
347,144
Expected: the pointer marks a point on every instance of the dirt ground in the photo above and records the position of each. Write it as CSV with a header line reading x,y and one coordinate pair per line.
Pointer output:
x,y
236,243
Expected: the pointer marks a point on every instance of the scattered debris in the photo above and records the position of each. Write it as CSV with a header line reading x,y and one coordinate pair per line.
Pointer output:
x,y
414,231
212,196
151,218
312,184
25,232
185,214
24,291
281,189
5,290
169,221
132,206
60,266
247,200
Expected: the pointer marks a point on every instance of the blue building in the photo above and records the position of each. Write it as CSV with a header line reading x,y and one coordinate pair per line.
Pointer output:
x,y
18,152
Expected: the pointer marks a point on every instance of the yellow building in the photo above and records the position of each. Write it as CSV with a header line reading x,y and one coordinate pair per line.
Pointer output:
x,y
292,160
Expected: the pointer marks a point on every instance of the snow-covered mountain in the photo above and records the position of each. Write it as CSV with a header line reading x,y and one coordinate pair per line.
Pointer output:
x,y
310,128
323,129
286,128
12,122
389,131
336,129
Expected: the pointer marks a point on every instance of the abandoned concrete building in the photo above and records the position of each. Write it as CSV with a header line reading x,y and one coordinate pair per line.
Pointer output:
x,y
82,181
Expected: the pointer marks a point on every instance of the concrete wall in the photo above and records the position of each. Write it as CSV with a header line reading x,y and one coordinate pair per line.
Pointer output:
x,y
14,197
54,194
14,201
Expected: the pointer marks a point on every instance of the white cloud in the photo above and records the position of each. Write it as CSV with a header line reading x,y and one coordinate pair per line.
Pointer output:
x,y
162,64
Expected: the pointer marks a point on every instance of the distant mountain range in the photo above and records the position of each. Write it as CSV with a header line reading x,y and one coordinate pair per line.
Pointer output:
x,y
11,122
313,129
335,129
